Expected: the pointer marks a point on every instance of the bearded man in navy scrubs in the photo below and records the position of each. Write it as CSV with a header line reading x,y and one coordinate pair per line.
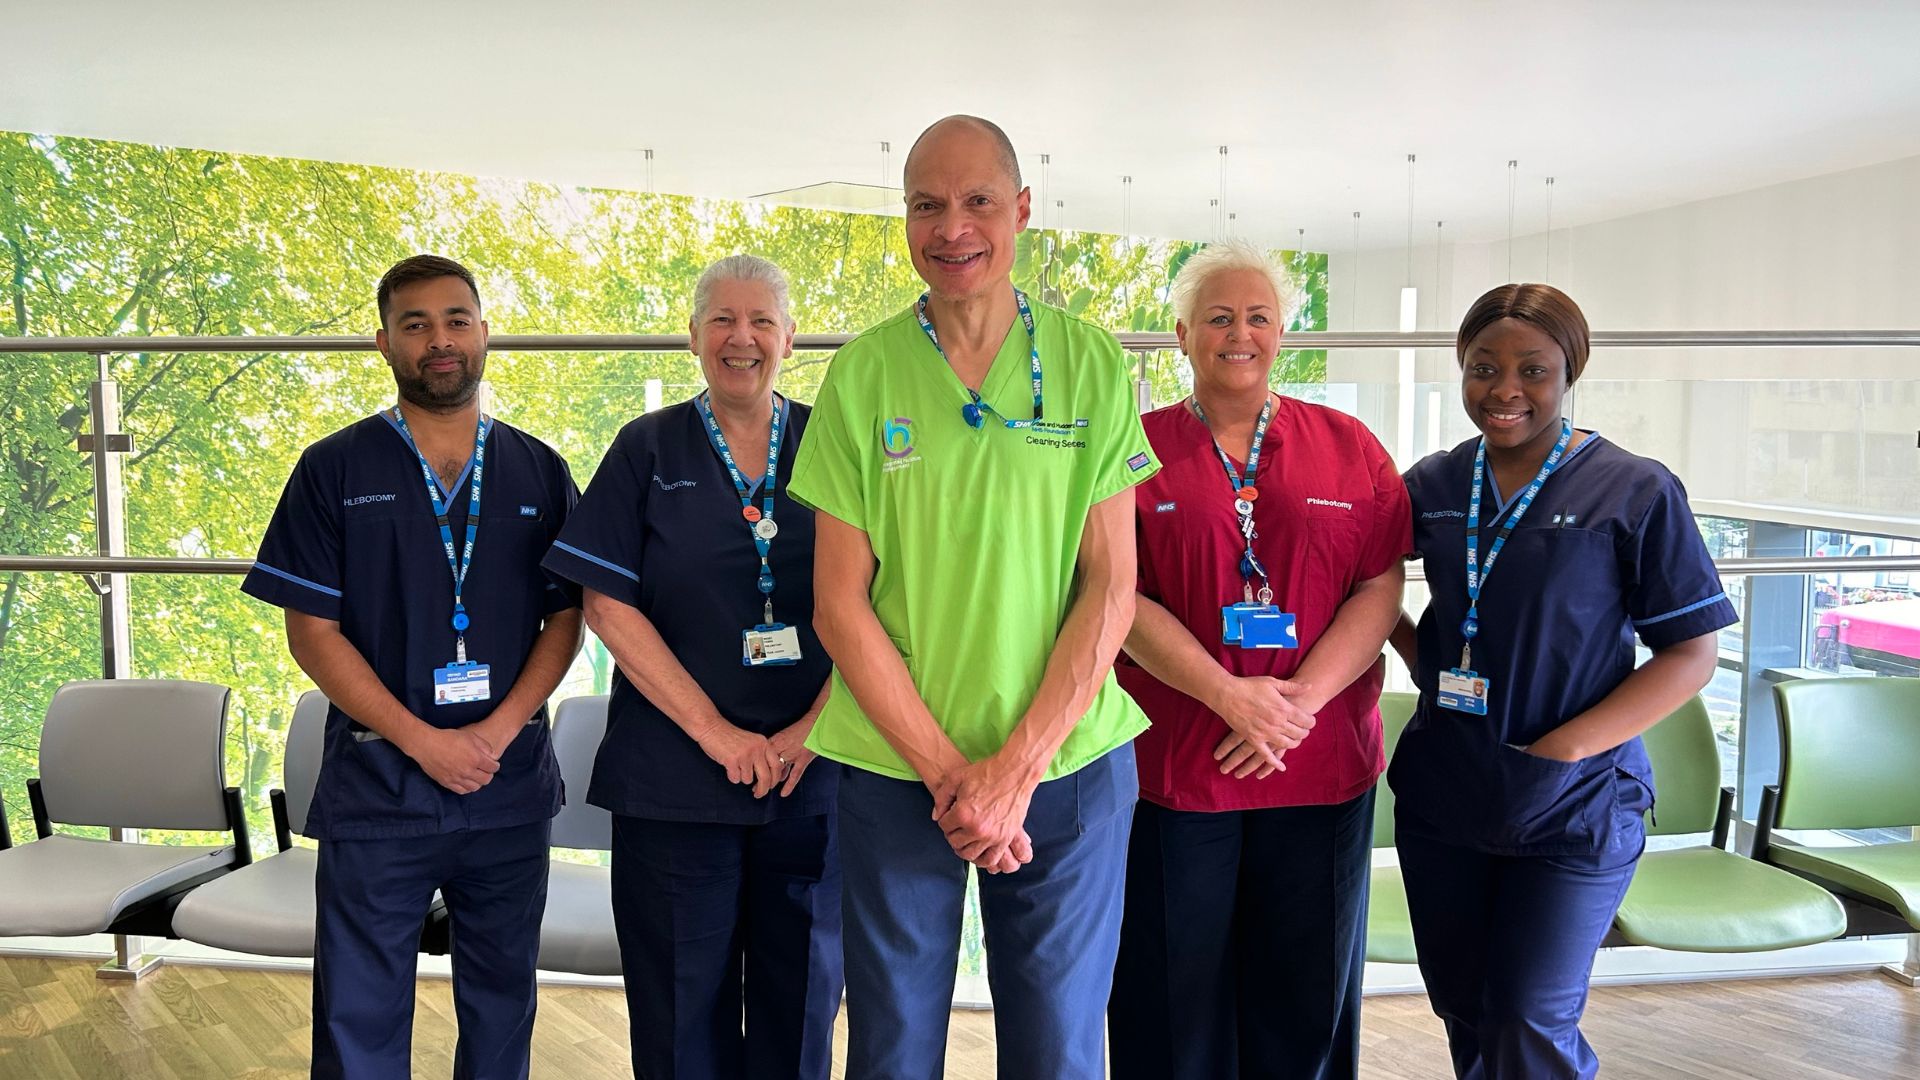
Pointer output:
x,y
406,551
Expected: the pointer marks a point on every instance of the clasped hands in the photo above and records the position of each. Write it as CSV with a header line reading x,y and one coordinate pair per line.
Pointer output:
x,y
1267,718
762,761
981,806
463,759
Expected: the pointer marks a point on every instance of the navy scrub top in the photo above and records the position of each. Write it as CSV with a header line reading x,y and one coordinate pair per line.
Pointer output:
x,y
659,529
354,540
1608,549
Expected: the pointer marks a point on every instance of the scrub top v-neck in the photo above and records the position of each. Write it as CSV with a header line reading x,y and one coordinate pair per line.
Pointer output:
x,y
354,540
1608,550
660,528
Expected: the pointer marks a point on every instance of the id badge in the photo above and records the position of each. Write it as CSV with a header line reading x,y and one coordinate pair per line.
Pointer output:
x,y
1463,691
1258,626
769,645
457,683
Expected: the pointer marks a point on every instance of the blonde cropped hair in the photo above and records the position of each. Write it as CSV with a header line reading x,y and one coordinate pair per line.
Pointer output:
x,y
1224,256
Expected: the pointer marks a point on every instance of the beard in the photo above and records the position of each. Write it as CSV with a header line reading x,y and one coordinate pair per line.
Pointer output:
x,y
440,390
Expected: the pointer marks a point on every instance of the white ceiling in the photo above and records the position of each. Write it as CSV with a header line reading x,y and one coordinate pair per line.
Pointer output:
x,y
1631,104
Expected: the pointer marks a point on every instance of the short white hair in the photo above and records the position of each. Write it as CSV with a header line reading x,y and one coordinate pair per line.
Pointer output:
x,y
1222,257
742,267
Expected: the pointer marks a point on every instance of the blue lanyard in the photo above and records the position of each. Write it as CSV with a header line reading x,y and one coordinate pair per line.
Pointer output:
x,y
759,522
1243,495
1477,574
974,412
459,566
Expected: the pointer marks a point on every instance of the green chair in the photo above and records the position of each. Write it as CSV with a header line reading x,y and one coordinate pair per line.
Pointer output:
x,y
1705,898
1389,927
1849,759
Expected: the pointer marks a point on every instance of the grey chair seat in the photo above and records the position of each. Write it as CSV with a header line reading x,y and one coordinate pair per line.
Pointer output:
x,y
266,908
65,886
577,933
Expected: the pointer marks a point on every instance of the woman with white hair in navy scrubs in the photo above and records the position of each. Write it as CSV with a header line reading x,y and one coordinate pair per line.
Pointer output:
x,y
1521,780
698,570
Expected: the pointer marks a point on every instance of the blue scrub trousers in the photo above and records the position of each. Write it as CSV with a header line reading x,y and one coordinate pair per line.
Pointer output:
x,y
1506,947
716,919
373,896
1052,926
1244,943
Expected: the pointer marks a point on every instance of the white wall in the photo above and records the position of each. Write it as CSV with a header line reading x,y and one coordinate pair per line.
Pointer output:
x,y
1840,251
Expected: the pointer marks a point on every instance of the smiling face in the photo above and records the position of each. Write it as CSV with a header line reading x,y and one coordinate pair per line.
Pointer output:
x,y
740,339
963,212
1513,378
435,341
1235,333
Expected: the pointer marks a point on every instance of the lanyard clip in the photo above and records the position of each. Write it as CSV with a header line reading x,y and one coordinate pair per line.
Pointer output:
x,y
460,649
1466,657
768,620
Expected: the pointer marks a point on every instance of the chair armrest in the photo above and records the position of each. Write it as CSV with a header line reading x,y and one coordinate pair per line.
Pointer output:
x,y
1723,818
6,834
42,824
282,821
1763,826
237,822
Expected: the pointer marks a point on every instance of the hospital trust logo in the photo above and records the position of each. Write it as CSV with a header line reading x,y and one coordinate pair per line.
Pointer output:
x,y
897,437
896,441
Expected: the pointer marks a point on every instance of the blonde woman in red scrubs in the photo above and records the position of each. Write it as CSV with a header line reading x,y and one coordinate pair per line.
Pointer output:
x,y
1270,547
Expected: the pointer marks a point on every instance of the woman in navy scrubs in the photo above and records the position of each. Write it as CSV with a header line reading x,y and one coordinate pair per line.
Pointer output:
x,y
1521,780
1243,942
698,574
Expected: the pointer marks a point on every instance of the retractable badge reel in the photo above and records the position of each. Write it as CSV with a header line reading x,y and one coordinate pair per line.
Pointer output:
x,y
766,643
463,680
1462,689
1255,622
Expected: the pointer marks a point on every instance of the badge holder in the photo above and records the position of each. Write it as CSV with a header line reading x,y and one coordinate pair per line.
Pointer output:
x,y
1462,689
769,644
1257,623
463,680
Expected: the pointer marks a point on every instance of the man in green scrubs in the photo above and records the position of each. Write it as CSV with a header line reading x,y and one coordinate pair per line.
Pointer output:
x,y
970,460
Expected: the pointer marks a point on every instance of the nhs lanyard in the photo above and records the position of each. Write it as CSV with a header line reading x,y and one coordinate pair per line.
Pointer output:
x,y
460,565
974,412
1244,493
759,518
1477,574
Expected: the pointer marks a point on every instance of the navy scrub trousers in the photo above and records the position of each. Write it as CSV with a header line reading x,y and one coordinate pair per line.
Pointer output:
x,y
375,894
1244,943
690,899
1052,926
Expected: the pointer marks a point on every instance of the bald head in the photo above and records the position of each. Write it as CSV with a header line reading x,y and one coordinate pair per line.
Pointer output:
x,y
993,139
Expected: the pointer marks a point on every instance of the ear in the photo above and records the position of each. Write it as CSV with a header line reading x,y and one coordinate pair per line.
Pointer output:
x,y
786,348
380,342
1022,209
693,336
1180,332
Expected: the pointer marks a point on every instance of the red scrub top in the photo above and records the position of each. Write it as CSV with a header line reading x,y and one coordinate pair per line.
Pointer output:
x,y
1332,512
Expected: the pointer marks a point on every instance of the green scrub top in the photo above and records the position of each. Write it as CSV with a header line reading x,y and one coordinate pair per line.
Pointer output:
x,y
975,531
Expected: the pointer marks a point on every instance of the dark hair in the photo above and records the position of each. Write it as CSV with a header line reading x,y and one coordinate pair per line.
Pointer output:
x,y
1542,306
415,268
1009,162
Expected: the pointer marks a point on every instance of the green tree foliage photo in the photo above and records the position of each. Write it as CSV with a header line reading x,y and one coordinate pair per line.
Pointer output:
x,y
104,238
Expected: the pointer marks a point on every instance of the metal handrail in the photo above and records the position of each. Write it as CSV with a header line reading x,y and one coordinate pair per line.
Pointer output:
x,y
140,564
1135,342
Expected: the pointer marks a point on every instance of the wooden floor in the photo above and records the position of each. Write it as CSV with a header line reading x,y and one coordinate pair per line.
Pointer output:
x,y
59,1022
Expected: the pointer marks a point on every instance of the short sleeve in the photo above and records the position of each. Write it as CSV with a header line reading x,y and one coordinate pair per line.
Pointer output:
x,y
299,565
827,471
1125,458
562,592
1392,537
603,540
1673,590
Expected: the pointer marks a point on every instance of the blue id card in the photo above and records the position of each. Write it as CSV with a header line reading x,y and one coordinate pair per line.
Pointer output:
x,y
1463,691
1258,626
457,683
770,645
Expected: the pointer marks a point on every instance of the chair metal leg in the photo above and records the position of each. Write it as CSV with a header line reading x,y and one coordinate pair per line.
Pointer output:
x,y
1907,974
133,967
